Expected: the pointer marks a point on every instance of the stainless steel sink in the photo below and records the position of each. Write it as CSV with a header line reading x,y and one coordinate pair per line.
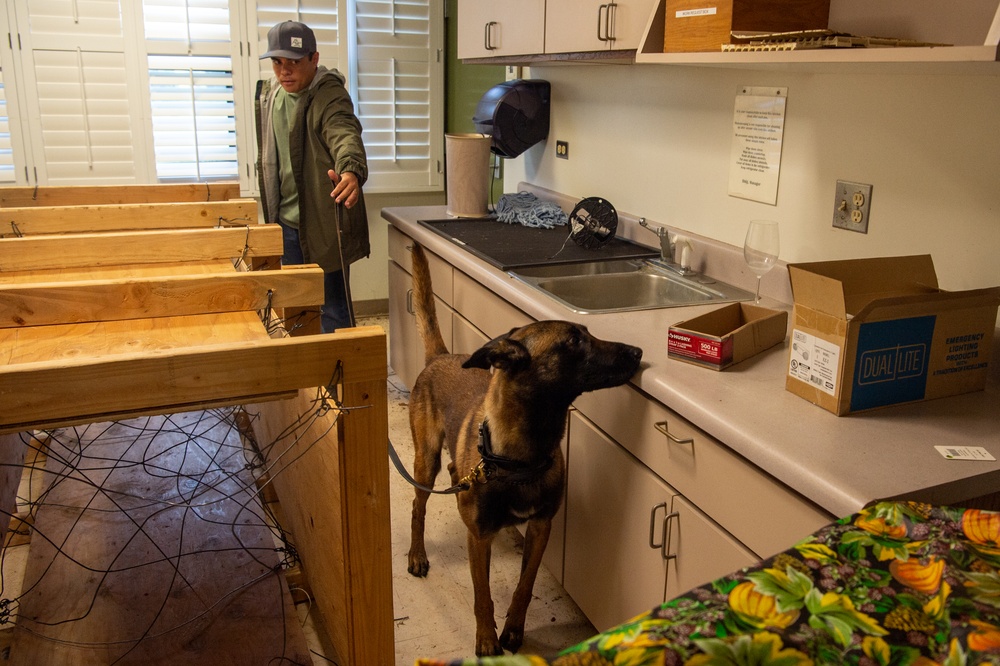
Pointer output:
x,y
619,286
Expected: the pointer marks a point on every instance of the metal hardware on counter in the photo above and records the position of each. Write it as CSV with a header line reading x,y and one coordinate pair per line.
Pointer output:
x,y
662,427
409,302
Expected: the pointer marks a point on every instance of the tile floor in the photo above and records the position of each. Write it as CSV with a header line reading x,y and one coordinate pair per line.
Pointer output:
x,y
434,616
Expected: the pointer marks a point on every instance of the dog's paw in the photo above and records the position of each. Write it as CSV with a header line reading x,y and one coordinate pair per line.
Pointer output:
x,y
487,645
512,638
417,564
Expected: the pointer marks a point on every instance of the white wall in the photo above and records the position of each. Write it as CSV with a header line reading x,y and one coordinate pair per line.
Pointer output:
x,y
370,277
655,141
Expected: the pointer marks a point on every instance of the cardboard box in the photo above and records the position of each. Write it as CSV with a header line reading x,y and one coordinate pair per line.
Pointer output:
x,y
869,333
726,336
705,25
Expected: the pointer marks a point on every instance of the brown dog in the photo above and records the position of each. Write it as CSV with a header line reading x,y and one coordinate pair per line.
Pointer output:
x,y
502,413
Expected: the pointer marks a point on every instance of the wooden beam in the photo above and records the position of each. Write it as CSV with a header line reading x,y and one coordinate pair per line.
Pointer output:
x,y
137,247
34,395
334,492
35,220
75,195
47,303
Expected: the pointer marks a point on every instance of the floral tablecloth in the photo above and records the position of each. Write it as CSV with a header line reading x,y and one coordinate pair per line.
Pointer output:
x,y
896,584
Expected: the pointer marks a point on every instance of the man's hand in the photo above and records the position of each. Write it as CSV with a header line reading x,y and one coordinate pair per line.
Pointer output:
x,y
345,187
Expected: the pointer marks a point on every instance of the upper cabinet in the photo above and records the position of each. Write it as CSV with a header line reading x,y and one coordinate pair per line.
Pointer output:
x,y
964,35
488,29
594,25
533,28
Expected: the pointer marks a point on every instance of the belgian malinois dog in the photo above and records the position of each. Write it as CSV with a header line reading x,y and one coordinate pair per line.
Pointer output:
x,y
502,414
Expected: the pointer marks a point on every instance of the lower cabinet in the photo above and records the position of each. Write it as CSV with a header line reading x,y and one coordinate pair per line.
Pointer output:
x,y
631,540
406,349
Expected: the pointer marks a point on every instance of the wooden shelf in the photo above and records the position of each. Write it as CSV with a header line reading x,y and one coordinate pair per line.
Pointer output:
x,y
969,58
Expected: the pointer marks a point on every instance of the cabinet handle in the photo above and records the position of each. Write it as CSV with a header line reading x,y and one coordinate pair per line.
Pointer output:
x,y
668,532
608,12
602,11
409,302
662,427
652,525
487,36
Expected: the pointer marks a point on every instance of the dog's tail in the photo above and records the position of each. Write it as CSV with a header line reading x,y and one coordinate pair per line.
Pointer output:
x,y
423,305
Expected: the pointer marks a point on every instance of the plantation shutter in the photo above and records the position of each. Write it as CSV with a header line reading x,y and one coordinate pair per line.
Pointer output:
x,y
80,92
191,89
397,76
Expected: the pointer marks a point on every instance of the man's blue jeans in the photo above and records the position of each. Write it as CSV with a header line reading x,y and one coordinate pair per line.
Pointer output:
x,y
336,310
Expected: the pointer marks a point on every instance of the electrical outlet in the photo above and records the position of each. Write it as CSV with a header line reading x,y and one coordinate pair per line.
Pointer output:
x,y
852,206
562,149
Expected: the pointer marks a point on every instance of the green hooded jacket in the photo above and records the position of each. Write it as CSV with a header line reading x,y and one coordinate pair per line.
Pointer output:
x,y
324,135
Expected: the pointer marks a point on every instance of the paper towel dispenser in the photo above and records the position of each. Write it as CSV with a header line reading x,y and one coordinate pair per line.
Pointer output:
x,y
515,114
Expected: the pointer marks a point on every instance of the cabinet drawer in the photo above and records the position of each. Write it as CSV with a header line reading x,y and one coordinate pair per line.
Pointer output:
x,y
753,506
487,312
465,338
441,271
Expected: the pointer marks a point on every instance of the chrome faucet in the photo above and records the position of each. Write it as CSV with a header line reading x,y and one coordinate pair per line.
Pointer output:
x,y
667,250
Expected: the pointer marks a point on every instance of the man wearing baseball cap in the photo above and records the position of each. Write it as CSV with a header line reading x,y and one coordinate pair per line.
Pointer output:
x,y
309,137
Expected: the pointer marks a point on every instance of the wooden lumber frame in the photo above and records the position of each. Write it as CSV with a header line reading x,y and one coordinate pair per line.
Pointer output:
x,y
35,220
138,247
335,496
76,195
46,303
60,392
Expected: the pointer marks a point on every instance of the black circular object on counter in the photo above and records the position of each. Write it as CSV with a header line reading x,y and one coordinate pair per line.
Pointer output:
x,y
593,222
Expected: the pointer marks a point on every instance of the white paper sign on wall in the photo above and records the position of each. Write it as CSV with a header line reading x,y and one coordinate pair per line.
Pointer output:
x,y
758,127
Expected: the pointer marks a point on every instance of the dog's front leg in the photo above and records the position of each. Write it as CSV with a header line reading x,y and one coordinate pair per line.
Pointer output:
x,y
536,537
486,626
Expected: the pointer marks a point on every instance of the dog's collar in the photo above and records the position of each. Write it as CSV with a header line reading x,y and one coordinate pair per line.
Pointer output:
x,y
492,464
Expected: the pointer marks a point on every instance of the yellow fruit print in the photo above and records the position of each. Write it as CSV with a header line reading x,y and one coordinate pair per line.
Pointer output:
x,y
984,636
982,527
922,577
879,527
759,609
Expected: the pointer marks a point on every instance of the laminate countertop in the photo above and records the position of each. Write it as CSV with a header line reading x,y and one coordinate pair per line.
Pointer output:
x,y
840,463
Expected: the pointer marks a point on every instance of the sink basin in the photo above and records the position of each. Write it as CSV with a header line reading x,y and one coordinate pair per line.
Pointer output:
x,y
619,286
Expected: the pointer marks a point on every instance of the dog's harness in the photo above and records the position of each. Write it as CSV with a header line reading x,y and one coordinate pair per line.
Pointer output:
x,y
491,466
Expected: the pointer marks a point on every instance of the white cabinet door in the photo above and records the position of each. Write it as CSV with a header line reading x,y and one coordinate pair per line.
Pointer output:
x,y
487,28
700,550
610,570
595,25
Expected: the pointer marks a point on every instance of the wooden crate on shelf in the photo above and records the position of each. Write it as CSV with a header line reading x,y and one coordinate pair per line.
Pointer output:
x,y
700,25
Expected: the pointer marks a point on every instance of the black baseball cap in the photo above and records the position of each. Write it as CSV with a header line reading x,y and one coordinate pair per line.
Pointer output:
x,y
290,39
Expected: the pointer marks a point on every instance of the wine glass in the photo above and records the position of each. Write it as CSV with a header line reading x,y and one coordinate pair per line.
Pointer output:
x,y
760,249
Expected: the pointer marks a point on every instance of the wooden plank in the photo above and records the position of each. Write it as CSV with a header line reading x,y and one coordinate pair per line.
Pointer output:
x,y
134,336
12,449
75,195
137,247
48,303
118,272
156,553
334,491
34,394
36,220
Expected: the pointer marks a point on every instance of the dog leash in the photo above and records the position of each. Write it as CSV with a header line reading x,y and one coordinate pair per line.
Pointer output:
x,y
394,457
489,464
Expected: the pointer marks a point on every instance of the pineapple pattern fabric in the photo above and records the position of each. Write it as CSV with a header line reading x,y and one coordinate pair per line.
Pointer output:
x,y
897,584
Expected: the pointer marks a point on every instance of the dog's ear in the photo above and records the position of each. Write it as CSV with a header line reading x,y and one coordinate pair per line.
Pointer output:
x,y
502,352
